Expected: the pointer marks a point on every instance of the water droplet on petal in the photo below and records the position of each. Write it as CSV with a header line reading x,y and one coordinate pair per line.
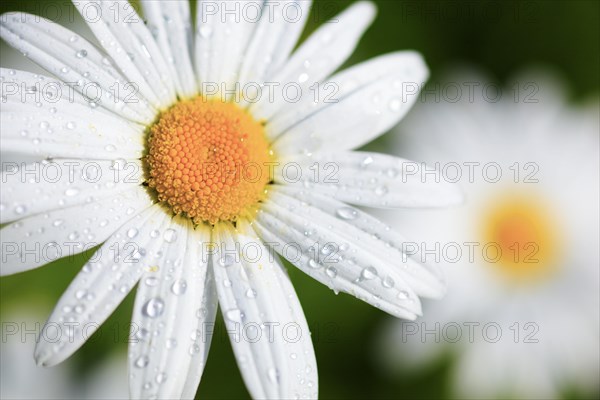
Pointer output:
x,y
170,235
81,53
331,272
226,260
151,281
368,273
132,232
388,282
179,287
141,362
234,315
366,162
160,378
381,190
347,213
154,307
206,32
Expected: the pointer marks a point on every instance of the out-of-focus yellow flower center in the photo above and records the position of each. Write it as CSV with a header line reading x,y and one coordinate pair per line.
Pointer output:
x,y
208,160
521,236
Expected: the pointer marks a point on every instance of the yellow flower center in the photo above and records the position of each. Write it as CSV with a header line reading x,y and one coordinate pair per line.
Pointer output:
x,y
208,160
521,237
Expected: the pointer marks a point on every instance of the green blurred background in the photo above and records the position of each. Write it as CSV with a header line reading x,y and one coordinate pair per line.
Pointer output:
x,y
499,37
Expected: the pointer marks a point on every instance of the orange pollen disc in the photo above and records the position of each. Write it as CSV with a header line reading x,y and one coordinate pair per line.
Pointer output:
x,y
208,160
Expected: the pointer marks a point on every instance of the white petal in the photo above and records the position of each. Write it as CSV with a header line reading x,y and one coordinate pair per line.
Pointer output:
x,y
32,242
124,36
205,314
75,133
320,55
29,189
221,40
171,25
348,251
99,288
23,87
78,63
353,107
276,35
273,348
368,179
173,330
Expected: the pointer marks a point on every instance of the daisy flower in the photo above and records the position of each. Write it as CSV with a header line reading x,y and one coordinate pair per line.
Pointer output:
x,y
191,154
521,316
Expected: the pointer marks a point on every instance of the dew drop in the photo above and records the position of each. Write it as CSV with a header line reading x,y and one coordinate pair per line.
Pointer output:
x,y
170,235
154,307
368,273
160,378
388,282
151,281
194,349
179,287
403,295
303,77
71,192
347,213
395,105
331,272
226,260
251,293
366,162
142,362
206,32
234,315
381,190
81,53
132,232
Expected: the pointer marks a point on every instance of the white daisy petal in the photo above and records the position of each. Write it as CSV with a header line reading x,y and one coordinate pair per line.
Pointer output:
x,y
23,87
276,35
174,331
256,296
79,64
37,240
320,55
376,240
170,23
99,288
353,107
125,37
76,133
328,251
368,179
220,41
206,315
33,188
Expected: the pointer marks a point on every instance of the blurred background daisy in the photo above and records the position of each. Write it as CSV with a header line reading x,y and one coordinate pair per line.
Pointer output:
x,y
520,319
497,37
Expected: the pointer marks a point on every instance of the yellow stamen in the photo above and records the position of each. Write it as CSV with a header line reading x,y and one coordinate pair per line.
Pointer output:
x,y
524,233
208,160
